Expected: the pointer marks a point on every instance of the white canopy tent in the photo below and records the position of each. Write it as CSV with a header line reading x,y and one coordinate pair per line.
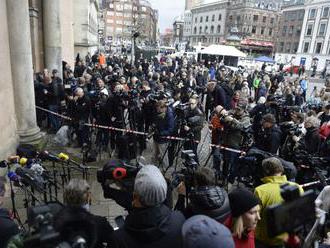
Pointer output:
x,y
222,50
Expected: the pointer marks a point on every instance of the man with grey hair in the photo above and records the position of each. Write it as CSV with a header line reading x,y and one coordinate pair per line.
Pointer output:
x,y
312,138
8,227
150,223
77,195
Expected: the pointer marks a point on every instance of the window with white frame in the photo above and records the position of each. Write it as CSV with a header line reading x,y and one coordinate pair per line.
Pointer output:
x,y
322,29
318,47
309,29
306,47
312,13
325,12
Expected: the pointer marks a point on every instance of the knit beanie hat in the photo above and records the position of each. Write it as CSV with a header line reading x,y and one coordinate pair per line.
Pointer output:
x,y
201,231
151,186
242,200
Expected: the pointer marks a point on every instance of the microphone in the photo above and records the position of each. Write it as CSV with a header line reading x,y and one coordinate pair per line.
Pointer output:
x,y
47,156
63,156
37,169
3,164
13,176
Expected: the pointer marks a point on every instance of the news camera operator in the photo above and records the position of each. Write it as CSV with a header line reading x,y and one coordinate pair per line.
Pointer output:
x,y
235,126
150,223
269,193
205,197
163,125
194,124
8,227
79,111
269,138
116,106
101,114
311,142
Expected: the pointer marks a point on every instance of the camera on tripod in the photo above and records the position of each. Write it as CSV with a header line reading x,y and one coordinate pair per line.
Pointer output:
x,y
186,174
290,216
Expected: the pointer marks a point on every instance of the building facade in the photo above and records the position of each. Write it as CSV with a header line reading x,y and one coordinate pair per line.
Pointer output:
x,y
314,40
18,115
189,4
208,23
51,33
124,18
178,27
254,23
86,38
289,31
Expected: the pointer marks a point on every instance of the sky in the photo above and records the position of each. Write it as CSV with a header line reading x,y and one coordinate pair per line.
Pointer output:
x,y
168,10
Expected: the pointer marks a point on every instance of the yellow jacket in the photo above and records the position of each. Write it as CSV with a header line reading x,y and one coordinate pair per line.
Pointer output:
x,y
269,193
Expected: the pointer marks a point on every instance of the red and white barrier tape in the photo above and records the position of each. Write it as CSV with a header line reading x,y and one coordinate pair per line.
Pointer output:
x,y
140,133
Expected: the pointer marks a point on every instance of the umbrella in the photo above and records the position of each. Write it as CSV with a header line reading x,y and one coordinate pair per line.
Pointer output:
x,y
265,59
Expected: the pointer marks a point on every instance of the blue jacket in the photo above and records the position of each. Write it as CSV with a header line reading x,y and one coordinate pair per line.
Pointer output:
x,y
164,126
303,84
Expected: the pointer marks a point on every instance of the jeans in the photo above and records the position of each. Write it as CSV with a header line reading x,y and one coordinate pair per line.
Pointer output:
x,y
229,165
53,119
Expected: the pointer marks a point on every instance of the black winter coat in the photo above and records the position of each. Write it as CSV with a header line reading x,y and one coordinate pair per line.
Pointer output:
x,y
312,140
269,140
150,228
8,228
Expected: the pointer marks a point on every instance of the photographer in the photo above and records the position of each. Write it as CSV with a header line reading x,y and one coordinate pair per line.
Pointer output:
x,y
312,140
205,197
234,127
164,125
8,227
150,223
80,108
269,194
77,195
194,125
269,138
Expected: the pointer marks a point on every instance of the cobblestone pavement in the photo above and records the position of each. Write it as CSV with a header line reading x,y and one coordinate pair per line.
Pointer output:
x,y
100,205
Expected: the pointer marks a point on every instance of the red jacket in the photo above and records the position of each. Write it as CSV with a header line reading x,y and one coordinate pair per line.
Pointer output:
x,y
244,242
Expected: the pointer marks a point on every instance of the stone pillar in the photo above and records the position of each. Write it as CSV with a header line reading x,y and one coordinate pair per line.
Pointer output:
x,y
34,29
52,35
22,72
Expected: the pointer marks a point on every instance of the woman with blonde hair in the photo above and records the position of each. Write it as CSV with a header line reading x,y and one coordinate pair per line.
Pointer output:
x,y
244,217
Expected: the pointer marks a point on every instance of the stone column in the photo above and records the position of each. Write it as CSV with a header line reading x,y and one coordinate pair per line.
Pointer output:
x,y
22,72
52,35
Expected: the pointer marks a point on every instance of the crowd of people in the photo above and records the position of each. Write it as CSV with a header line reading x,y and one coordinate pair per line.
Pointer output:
x,y
179,97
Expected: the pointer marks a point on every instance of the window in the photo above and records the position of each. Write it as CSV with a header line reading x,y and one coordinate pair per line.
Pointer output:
x,y
309,29
207,19
325,13
200,30
306,47
201,19
312,13
195,19
318,47
195,30
213,17
218,29
262,30
264,19
254,29
206,29
255,18
219,17
288,47
284,30
301,15
298,32
272,20
322,29
238,18
212,30
281,46
270,33
295,47
291,30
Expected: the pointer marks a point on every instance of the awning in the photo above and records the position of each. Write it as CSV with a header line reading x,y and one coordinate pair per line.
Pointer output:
x,y
265,59
257,43
223,50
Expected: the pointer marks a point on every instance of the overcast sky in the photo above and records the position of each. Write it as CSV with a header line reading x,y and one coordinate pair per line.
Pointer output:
x,y
168,10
